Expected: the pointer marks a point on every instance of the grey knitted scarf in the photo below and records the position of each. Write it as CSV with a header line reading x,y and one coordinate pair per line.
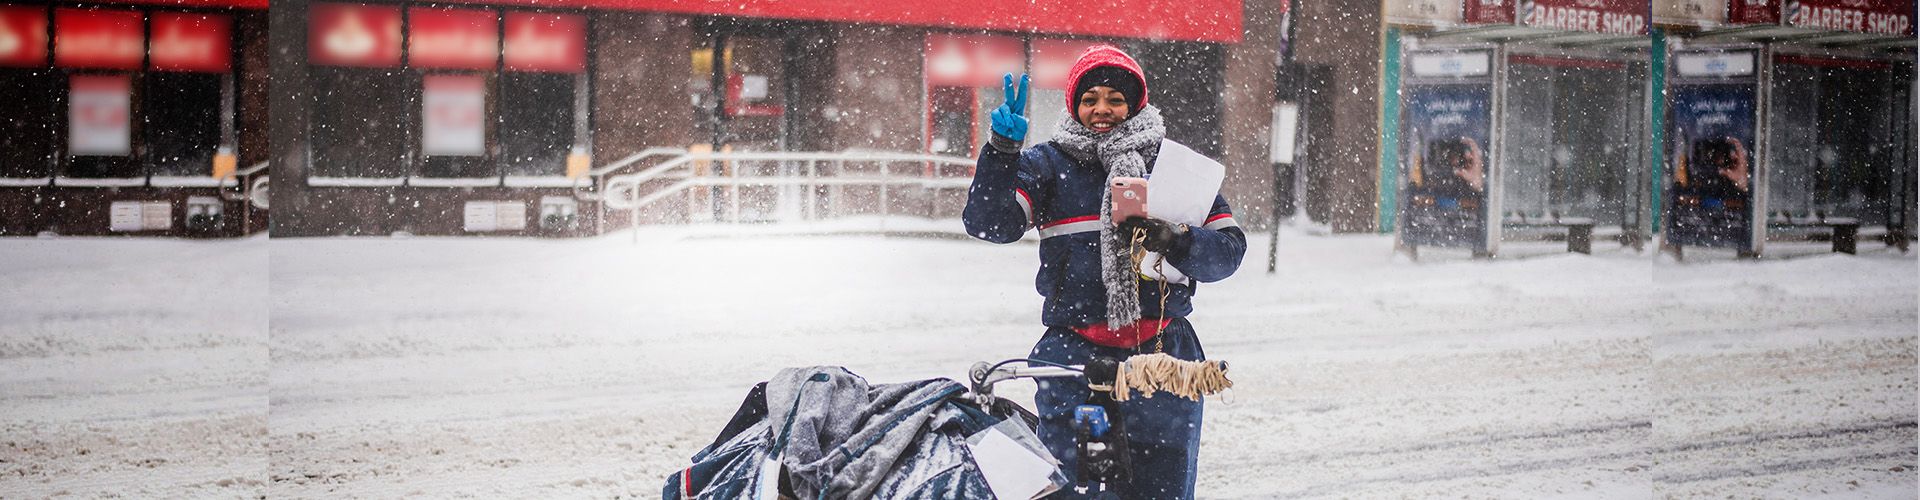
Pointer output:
x,y
1123,152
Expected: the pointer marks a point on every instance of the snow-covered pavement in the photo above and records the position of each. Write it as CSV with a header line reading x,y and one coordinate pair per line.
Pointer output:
x,y
508,368
133,368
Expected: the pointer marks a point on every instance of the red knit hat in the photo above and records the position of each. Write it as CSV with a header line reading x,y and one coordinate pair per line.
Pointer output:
x,y
1105,55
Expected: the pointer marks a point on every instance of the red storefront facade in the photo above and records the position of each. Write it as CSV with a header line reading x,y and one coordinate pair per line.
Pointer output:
x,y
132,118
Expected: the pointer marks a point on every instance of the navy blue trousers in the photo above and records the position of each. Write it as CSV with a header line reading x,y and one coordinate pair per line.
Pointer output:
x,y
1163,432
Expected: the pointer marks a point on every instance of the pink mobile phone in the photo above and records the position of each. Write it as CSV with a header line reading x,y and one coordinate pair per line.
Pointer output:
x,y
1129,198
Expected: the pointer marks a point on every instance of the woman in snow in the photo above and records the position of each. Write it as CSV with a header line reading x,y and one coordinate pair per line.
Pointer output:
x,y
1096,304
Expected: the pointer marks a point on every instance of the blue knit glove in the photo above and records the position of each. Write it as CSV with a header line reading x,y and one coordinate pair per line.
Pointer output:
x,y
1009,120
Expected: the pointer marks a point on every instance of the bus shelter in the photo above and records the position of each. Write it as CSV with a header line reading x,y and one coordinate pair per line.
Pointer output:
x,y
1518,125
1787,123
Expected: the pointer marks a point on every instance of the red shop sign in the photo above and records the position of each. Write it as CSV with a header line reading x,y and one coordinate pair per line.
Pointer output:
x,y
1052,59
344,34
546,42
959,60
191,42
1614,17
453,39
1882,17
106,39
1487,11
1753,11
23,36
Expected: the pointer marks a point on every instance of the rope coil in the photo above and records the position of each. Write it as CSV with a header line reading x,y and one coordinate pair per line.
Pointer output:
x,y
1149,373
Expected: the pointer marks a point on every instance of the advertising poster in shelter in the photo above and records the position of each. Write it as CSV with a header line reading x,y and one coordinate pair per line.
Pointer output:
x,y
1711,165
1443,141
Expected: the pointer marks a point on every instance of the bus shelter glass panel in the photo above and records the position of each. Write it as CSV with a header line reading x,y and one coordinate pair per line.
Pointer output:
x,y
1837,146
1571,140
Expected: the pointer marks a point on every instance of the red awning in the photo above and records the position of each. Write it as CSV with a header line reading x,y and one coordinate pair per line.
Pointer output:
x,y
1193,20
232,4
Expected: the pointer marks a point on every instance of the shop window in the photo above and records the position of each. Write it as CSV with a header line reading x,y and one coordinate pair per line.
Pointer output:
x,y
952,118
361,125
182,122
542,116
129,93
187,107
536,122
28,89
756,93
484,94
27,145
100,106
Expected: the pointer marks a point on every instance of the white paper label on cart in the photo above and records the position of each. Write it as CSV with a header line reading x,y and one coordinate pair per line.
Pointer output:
x,y
1012,471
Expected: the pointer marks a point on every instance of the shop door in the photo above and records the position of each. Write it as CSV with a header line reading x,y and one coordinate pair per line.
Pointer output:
x,y
740,95
748,111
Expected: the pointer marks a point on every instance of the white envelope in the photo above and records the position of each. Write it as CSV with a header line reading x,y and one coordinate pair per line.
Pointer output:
x,y
1181,189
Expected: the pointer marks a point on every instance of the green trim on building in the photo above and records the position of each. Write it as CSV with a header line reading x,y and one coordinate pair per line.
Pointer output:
x,y
1657,99
1389,193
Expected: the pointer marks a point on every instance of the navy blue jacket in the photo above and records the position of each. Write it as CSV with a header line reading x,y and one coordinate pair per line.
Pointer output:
x,y
1043,187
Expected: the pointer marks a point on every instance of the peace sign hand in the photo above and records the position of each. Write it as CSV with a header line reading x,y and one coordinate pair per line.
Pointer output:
x,y
1010,120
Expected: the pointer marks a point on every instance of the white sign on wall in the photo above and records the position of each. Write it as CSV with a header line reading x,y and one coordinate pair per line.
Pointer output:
x,y
1690,12
1477,63
453,112
1423,12
1720,64
124,216
1286,122
140,216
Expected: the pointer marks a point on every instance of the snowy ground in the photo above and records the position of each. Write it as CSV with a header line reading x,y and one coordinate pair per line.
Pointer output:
x,y
506,368
133,368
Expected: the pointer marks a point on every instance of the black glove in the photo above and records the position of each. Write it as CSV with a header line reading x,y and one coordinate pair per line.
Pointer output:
x,y
1163,237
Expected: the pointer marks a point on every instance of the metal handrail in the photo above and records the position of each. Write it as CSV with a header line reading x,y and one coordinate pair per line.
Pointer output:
x,y
583,192
622,192
620,184
246,188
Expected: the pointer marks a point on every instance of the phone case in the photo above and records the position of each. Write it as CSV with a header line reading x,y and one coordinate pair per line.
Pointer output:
x,y
1129,198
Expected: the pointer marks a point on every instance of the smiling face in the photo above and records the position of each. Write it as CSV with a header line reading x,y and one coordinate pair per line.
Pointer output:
x,y
1101,108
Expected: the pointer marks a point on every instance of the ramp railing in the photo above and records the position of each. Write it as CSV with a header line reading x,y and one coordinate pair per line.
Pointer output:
x,y
252,185
735,187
